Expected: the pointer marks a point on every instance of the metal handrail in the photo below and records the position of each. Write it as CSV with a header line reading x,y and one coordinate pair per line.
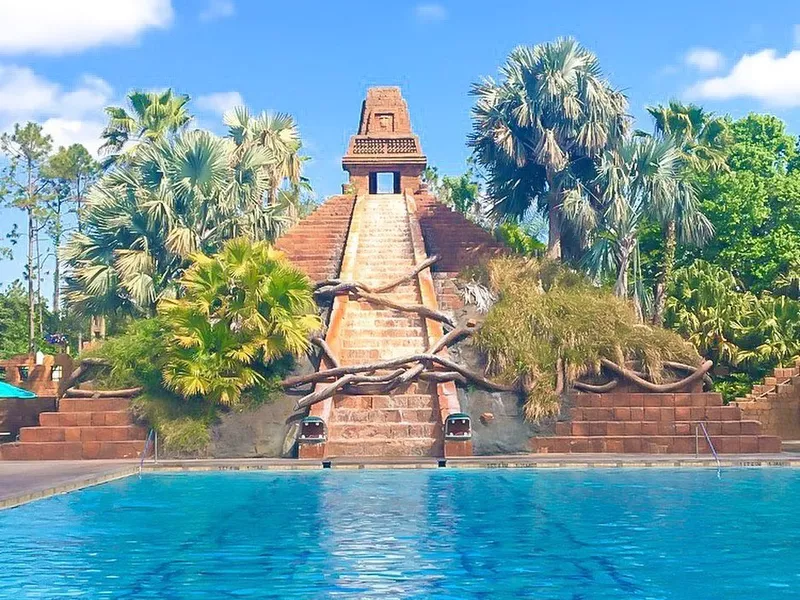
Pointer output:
x,y
150,438
702,425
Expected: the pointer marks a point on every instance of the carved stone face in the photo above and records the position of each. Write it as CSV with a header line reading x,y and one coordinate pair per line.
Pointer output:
x,y
386,123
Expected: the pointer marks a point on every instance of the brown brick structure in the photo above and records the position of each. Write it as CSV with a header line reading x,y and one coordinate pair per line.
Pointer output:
x,y
656,424
44,379
383,242
316,243
82,428
459,242
776,403
384,144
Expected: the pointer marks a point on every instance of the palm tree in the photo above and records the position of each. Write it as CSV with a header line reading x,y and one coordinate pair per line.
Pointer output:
x,y
150,116
143,220
278,135
538,132
241,309
701,139
637,181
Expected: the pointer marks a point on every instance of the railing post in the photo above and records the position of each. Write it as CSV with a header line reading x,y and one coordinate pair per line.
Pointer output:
x,y
696,440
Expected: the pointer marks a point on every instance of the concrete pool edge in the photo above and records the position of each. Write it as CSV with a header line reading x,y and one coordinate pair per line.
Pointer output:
x,y
115,471
58,486
482,462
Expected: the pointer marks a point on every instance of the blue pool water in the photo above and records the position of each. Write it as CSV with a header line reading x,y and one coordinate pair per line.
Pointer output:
x,y
444,534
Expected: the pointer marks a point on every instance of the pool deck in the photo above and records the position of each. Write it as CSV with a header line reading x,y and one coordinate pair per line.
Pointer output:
x,y
25,481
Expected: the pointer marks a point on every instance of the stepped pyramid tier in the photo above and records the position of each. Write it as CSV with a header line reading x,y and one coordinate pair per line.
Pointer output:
x,y
384,240
656,424
776,403
82,428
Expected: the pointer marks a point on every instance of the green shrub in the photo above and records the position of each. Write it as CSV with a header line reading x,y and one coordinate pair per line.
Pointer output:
x,y
243,315
745,334
240,310
519,239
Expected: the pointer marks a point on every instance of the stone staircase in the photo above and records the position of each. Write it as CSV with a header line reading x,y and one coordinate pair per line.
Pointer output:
x,y
83,428
655,424
316,243
404,422
776,403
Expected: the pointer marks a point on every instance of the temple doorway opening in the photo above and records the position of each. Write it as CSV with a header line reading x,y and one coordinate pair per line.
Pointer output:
x,y
384,182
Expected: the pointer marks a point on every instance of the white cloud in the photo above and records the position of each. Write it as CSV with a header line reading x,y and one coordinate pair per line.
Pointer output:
x,y
764,76
63,26
704,59
218,9
219,102
430,13
73,115
66,132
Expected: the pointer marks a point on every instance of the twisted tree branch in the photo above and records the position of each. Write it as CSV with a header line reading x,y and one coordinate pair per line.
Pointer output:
x,y
631,376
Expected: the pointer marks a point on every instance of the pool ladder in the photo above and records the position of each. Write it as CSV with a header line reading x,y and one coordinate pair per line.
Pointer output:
x,y
152,440
701,425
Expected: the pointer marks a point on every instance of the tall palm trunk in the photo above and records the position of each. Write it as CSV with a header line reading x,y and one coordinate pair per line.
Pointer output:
x,y
56,286
621,286
554,221
554,233
665,273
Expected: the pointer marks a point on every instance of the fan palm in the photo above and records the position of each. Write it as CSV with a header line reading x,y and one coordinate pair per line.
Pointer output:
x,y
143,220
240,309
278,136
538,132
701,139
150,116
636,182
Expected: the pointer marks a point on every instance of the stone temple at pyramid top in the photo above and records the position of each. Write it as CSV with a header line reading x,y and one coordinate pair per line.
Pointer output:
x,y
384,143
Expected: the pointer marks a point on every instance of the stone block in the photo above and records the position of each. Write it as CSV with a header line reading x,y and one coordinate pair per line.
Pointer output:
x,y
622,413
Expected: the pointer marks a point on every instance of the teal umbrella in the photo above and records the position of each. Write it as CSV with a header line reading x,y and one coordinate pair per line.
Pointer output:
x,y
9,391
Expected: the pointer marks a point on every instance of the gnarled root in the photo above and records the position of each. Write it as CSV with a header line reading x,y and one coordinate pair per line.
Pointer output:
x,y
649,386
367,293
124,393
355,379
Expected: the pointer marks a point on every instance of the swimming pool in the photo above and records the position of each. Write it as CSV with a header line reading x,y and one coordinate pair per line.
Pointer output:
x,y
445,534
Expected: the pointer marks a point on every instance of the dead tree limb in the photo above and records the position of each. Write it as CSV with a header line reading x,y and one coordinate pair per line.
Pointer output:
x,y
124,393
657,387
596,388
85,365
406,278
420,309
326,350
443,376
343,382
329,287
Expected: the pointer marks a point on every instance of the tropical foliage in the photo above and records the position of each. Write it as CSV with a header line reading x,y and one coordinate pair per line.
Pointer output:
x,y
641,181
239,310
745,334
172,198
700,139
149,117
241,314
462,192
539,130
753,205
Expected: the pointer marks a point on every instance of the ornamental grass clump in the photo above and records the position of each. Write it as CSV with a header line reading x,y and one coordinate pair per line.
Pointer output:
x,y
551,326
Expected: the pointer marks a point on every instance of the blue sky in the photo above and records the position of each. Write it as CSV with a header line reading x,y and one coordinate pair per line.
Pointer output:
x,y
61,61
